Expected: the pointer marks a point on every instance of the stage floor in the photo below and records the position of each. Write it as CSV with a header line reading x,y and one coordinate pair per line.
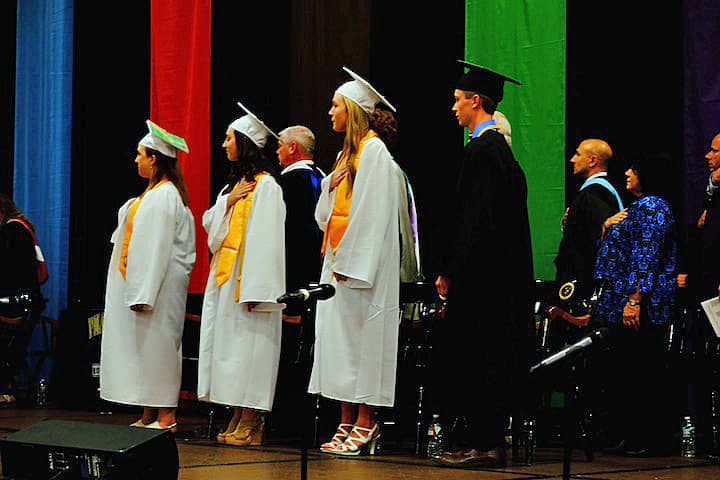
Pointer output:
x,y
202,459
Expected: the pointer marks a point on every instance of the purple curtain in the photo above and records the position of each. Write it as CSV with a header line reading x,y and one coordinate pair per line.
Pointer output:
x,y
702,95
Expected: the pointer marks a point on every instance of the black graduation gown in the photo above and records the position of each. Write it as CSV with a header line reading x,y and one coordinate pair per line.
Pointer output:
x,y
485,343
580,242
707,279
303,237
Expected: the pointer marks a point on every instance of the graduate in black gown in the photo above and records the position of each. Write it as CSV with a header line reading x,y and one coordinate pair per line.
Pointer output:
x,y
483,346
300,181
597,200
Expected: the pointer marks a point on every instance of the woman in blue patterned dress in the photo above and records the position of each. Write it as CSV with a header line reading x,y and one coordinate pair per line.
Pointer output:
x,y
636,266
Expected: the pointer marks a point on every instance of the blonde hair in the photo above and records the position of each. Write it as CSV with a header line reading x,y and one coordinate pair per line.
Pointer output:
x,y
357,126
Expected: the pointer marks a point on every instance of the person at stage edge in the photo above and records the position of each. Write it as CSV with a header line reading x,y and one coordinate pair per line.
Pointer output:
x,y
18,260
300,182
596,201
483,345
240,332
153,254
356,330
706,281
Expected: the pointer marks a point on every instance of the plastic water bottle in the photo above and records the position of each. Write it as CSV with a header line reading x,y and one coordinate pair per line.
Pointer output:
x,y
41,397
687,448
435,438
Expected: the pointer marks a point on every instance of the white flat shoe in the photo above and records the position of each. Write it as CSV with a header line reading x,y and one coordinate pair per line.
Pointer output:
x,y
156,425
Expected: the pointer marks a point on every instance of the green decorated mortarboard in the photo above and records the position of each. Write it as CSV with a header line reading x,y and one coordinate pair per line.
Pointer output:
x,y
163,141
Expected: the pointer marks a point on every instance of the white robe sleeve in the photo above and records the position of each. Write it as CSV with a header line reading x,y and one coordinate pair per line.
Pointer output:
x,y
216,222
263,272
361,248
150,246
324,206
122,219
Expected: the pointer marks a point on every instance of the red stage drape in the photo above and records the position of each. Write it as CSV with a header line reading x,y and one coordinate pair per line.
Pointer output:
x,y
180,100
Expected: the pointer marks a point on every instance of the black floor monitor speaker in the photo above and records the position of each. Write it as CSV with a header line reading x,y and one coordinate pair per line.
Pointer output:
x,y
63,450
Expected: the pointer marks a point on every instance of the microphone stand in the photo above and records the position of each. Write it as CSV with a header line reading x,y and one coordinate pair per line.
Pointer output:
x,y
572,394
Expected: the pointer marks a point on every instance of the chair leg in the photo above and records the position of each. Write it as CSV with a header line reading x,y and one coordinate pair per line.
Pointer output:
x,y
211,423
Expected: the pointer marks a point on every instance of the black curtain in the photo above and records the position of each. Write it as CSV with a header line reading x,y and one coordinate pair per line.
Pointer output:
x,y
249,64
325,35
624,83
413,62
110,104
8,15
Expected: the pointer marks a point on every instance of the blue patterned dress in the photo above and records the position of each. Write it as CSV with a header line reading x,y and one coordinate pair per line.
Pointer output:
x,y
639,250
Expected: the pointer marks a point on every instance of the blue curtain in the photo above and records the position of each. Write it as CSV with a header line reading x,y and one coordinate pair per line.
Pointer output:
x,y
43,119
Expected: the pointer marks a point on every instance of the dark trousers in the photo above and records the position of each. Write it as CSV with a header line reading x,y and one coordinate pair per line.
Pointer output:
x,y
477,380
291,407
639,388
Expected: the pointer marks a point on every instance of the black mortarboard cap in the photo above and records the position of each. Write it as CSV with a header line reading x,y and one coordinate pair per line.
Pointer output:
x,y
483,80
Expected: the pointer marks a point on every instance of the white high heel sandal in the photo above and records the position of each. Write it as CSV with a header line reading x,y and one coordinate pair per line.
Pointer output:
x,y
366,440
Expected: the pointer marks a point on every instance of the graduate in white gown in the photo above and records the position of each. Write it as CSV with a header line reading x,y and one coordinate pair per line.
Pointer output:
x,y
147,282
357,329
241,321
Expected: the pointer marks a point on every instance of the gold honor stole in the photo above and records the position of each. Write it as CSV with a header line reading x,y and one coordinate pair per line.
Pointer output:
x,y
234,244
340,216
128,229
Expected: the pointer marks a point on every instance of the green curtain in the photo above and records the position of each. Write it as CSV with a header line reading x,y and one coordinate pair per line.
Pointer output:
x,y
525,39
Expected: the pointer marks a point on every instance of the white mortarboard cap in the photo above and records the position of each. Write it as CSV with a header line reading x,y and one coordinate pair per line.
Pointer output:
x,y
252,127
163,141
362,93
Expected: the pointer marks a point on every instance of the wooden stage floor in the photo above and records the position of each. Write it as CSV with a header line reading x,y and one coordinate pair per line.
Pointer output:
x,y
202,459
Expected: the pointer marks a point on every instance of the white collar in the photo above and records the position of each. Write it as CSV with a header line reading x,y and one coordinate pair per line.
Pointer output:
x,y
300,164
601,174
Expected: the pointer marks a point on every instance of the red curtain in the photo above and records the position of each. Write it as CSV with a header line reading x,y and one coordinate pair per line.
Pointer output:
x,y
180,100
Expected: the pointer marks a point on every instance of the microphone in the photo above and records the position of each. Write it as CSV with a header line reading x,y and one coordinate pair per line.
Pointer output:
x,y
322,291
586,341
19,299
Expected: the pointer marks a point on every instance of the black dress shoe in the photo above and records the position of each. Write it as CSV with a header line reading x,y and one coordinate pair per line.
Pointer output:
x,y
648,452
618,449
470,458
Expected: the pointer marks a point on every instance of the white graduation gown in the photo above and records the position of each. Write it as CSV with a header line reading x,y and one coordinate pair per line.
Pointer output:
x,y
141,354
356,331
239,349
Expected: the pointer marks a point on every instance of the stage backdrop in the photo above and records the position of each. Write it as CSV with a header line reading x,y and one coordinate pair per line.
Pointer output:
x,y
43,120
701,109
526,40
180,100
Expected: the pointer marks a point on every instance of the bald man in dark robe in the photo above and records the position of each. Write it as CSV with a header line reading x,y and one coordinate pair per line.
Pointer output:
x,y
597,200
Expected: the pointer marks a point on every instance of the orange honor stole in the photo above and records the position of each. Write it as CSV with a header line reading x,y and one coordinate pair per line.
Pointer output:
x,y
234,243
340,216
128,229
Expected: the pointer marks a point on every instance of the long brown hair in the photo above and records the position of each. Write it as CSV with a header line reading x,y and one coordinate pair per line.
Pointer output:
x,y
168,167
10,210
251,161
